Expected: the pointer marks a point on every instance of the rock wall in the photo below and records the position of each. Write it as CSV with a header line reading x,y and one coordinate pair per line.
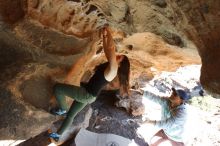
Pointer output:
x,y
43,38
70,17
203,29
179,22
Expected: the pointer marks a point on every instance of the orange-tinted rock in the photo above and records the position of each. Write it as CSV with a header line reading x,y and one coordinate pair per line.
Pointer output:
x,y
73,18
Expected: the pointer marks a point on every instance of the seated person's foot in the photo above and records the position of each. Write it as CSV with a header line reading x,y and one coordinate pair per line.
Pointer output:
x,y
58,111
54,136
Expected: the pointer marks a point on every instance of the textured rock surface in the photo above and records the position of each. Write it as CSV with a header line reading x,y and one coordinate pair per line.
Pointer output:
x,y
200,24
70,17
178,22
43,38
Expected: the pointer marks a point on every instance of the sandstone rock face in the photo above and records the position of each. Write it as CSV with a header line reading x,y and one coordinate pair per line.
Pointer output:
x,y
203,29
45,37
195,21
12,11
70,17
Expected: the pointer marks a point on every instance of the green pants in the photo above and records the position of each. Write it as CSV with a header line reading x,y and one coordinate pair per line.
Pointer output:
x,y
81,99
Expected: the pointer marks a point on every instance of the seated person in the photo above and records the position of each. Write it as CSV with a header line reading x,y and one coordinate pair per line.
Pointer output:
x,y
173,119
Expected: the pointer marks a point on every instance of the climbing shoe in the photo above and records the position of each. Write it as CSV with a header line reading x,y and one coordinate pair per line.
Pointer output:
x,y
58,111
54,136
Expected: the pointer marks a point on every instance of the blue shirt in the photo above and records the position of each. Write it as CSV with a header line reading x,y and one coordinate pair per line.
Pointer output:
x,y
172,119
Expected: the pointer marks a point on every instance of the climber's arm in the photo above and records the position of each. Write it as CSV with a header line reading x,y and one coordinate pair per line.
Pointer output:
x,y
109,49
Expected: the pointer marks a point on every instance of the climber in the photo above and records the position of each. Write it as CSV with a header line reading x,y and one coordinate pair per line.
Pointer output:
x,y
173,119
117,65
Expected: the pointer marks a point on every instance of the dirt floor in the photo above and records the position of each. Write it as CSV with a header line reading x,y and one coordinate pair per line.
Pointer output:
x,y
107,118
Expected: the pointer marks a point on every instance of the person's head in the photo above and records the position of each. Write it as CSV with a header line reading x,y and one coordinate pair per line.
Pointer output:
x,y
178,96
123,72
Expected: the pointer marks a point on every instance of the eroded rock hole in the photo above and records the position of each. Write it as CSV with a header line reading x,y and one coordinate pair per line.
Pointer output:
x,y
91,8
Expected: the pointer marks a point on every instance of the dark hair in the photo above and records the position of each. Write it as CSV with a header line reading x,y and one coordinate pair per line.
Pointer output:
x,y
124,73
181,93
